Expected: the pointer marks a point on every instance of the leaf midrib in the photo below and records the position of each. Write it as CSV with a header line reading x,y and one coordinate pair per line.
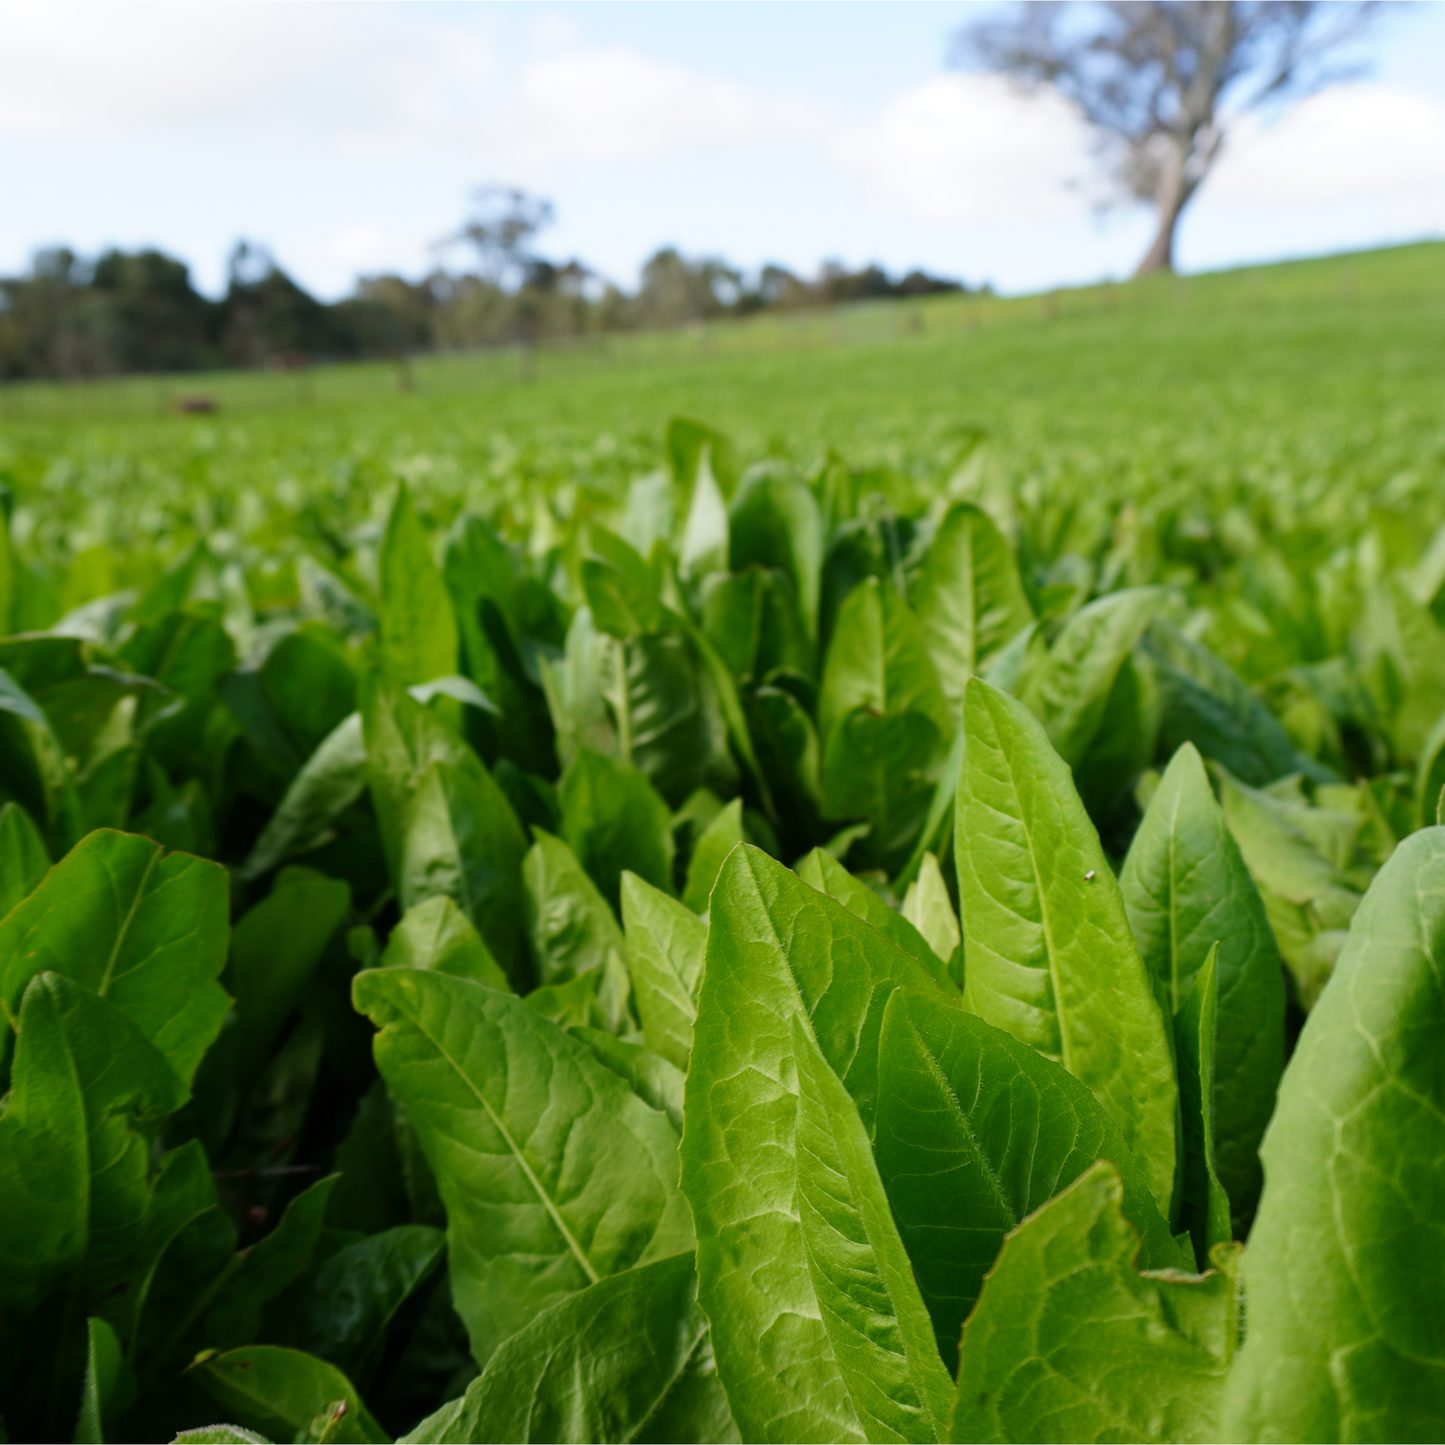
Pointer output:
x,y
562,1228
123,932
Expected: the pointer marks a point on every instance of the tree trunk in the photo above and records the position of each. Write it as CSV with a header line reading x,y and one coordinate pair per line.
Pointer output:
x,y
1160,256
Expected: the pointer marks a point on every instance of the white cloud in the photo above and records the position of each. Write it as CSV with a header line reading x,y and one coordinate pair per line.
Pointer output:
x,y
1346,144
972,148
614,103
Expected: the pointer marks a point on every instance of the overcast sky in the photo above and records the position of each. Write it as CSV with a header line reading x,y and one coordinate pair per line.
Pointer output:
x,y
346,136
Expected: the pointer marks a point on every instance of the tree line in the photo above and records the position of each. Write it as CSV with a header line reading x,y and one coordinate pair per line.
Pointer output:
x,y
139,312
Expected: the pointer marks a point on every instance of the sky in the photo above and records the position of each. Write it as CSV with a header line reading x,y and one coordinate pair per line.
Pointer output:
x,y
346,137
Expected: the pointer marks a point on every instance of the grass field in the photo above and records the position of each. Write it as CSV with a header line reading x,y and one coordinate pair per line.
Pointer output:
x,y
1324,368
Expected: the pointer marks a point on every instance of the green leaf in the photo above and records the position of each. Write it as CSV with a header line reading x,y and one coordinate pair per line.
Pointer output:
x,y
310,680
753,620
718,839
554,1173
103,1366
975,1132
1070,1342
704,546
436,934
1070,689
776,948
970,601
1204,1201
613,820
1049,954
233,1313
600,1365
23,858
145,930
878,659
1206,703
656,1081
665,947
929,909
829,876
418,626
1308,898
33,768
1186,890
275,948
330,781
282,1391
773,521
219,1435
1429,778
1343,1270
568,921
875,1317
343,1306
621,589
462,841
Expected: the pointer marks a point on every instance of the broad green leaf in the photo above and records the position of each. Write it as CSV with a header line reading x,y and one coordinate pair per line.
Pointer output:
x,y
554,1173
330,781
343,1306
1204,702
878,1326
281,1392
436,934
310,681
656,1081
147,931
670,721
1204,1201
87,1093
1070,689
829,876
103,1367
623,598
33,769
773,521
275,948
665,947
929,909
23,858
1344,1266
219,1435
462,841
571,928
1049,954
970,601
1070,1342
788,747
418,626
975,1132
777,948
613,820
1308,898
878,659
1429,778
1187,890
600,1365
718,839
882,768
753,620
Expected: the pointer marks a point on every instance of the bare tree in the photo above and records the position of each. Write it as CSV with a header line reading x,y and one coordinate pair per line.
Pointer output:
x,y
1158,80
503,222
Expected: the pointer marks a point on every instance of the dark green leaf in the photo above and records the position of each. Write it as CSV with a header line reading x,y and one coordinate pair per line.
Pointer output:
x,y
1204,1202
23,859
570,925
103,1367
146,931
613,820
773,522
283,1391
1186,889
